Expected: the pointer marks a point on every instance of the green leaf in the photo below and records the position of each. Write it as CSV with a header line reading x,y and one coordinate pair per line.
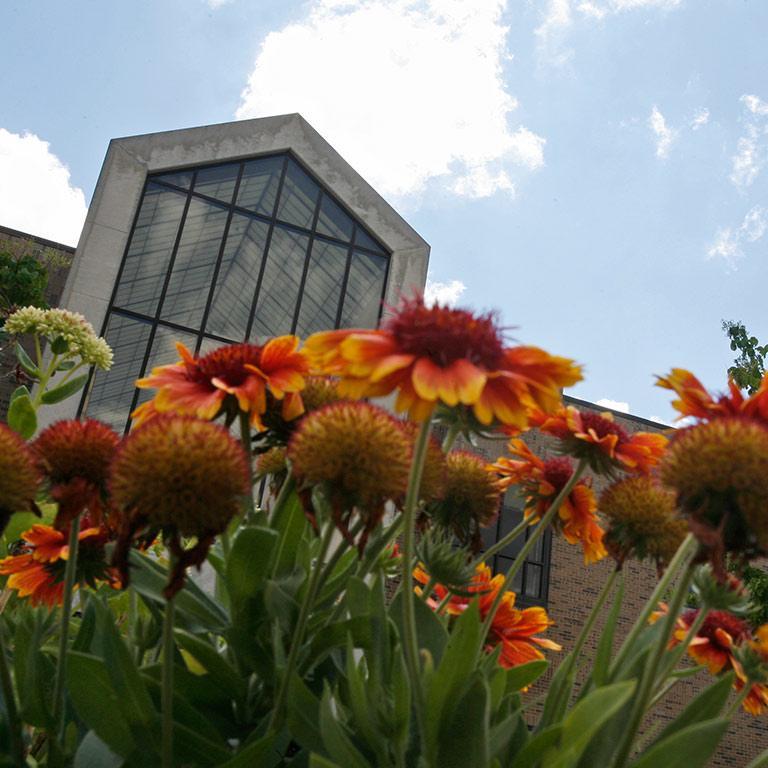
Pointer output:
x,y
361,693
317,761
33,670
22,417
761,761
257,753
525,674
94,753
690,747
222,674
585,720
249,561
430,631
97,702
303,715
149,579
65,365
706,706
337,742
190,748
335,635
602,663
290,524
464,738
64,390
531,754
59,345
18,392
26,362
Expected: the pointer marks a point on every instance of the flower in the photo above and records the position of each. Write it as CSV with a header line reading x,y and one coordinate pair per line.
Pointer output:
x,y
719,469
642,519
181,476
603,443
697,403
713,644
514,629
440,354
542,481
19,478
471,498
750,661
64,327
234,377
37,568
75,457
361,456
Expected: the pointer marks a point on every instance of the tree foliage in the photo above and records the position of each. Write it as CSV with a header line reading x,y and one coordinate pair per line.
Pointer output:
x,y
749,366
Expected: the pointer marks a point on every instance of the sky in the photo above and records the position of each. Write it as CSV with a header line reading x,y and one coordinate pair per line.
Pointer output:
x,y
592,170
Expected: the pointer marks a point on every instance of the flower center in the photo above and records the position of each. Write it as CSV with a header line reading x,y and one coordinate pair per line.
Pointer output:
x,y
602,426
445,335
557,472
734,626
226,363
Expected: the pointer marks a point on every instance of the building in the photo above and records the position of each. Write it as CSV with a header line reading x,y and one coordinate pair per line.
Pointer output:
x,y
240,231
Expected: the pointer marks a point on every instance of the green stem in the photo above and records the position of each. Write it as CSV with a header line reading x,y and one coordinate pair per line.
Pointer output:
x,y
444,602
682,556
527,547
427,591
14,723
69,373
45,377
286,489
739,700
410,640
647,682
70,572
313,586
167,681
679,651
450,437
503,542
39,353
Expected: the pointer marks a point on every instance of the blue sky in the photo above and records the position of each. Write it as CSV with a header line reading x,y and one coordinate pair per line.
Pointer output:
x,y
595,170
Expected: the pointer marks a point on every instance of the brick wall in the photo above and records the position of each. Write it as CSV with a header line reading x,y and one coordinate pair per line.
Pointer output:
x,y
573,587
59,258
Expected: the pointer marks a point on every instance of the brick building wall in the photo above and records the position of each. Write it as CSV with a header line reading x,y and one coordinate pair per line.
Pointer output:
x,y
58,258
573,587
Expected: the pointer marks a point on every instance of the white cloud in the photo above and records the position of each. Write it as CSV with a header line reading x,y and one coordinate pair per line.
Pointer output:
x,y
408,91
36,195
665,136
558,17
751,151
616,405
728,243
700,118
444,294
216,4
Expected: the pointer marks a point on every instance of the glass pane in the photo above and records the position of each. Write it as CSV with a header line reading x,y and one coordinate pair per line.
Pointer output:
x,y
218,181
365,289
532,580
503,564
181,179
364,240
209,345
238,274
150,251
510,518
333,221
112,391
164,353
322,288
258,185
195,261
279,291
298,198
537,552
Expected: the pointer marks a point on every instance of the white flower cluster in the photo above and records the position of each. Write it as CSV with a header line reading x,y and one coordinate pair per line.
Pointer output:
x,y
72,327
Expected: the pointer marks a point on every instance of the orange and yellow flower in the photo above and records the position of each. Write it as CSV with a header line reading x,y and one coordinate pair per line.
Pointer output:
x,y
694,400
439,354
37,569
513,629
541,481
598,439
713,645
237,376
